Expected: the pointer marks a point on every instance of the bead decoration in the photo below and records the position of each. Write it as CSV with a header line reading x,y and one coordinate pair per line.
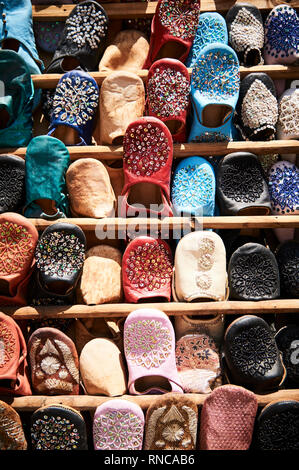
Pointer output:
x,y
242,181
7,345
246,32
118,430
180,17
54,433
193,186
282,32
283,188
87,27
289,113
12,435
211,137
206,254
16,248
209,30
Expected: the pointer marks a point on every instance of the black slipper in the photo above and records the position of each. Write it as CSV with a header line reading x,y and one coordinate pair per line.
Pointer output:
x,y
287,256
287,340
12,183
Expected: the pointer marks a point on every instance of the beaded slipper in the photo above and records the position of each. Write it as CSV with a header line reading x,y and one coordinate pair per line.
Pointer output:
x,y
147,162
12,435
168,88
58,427
246,33
75,105
54,363
60,255
257,108
288,117
48,35
287,256
171,424
283,188
14,371
227,419
118,425
211,325
149,346
251,355
253,273
246,195
173,29
12,183
198,363
193,188
211,28
287,340
83,39
277,426
215,82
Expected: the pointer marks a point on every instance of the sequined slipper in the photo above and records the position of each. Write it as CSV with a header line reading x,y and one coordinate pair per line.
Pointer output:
x,y
168,88
288,117
277,426
251,355
211,28
75,106
147,162
246,195
193,188
173,29
227,419
215,83
12,435
257,108
118,425
246,33
83,39
149,346
198,363
283,188
147,269
58,427
287,340
171,424
287,256
12,183
253,273
54,363
60,255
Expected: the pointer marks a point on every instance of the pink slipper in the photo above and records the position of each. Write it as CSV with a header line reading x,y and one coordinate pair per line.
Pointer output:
x,y
149,345
118,425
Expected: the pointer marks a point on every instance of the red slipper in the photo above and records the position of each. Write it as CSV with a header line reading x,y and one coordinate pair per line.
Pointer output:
x,y
147,162
168,91
173,30
147,269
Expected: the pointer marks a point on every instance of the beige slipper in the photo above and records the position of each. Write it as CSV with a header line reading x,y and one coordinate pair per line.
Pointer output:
x,y
122,101
127,52
90,190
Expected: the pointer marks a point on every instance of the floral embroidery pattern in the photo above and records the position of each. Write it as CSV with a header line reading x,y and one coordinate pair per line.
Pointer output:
x,y
209,30
180,17
16,247
242,181
193,186
7,344
118,430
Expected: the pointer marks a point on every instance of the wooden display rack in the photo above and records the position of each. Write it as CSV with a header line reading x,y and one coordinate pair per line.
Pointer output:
x,y
119,11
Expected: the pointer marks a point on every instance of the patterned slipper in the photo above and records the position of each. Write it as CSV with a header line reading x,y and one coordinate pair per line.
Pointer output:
x,y
168,88
147,269
58,427
171,424
12,183
118,425
149,346
288,117
283,188
12,436
48,35
287,255
54,363
210,325
287,340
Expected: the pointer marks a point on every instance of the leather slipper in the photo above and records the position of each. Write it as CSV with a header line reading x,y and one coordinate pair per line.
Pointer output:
x,y
12,435
287,256
12,183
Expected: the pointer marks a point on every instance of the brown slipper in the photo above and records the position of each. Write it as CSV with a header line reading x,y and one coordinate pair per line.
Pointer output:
x,y
11,430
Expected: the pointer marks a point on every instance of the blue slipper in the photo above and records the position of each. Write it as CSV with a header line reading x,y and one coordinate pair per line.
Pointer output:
x,y
215,84
211,28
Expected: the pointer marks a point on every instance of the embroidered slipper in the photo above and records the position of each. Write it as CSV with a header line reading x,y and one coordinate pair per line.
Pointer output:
x,y
215,83
75,105
200,268
12,183
171,424
149,346
283,188
246,33
227,419
83,39
89,189
253,273
127,51
257,109
48,35
60,255
12,435
118,425
198,363
14,371
168,88
173,29
101,280
251,355
54,363
58,427
193,188
277,426
210,325
246,195
147,162
211,28
287,256
147,269
47,160
288,117
287,340
122,101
